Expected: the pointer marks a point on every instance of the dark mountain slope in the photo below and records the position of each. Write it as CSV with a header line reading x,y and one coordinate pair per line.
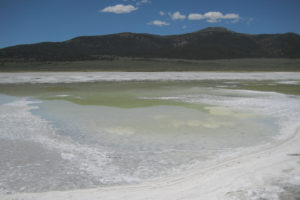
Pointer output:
x,y
209,43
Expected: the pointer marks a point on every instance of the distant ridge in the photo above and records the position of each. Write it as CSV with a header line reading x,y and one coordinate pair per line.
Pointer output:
x,y
215,29
208,43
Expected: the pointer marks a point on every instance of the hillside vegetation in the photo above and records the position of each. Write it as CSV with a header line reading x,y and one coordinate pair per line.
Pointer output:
x,y
209,43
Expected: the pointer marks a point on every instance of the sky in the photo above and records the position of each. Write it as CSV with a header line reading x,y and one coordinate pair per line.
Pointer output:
x,y
32,21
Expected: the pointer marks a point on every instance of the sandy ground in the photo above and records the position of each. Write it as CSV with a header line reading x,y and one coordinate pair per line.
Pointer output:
x,y
256,174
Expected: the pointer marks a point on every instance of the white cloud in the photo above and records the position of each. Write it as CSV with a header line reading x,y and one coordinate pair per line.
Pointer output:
x,y
119,9
213,17
159,23
195,16
177,15
212,20
231,16
161,13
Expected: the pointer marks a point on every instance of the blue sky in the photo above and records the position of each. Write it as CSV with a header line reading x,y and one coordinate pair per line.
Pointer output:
x,y
31,21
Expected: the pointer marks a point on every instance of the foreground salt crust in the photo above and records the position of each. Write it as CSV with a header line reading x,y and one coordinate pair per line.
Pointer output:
x,y
250,173
249,176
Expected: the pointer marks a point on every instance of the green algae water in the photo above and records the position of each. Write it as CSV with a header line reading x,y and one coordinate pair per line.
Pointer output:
x,y
83,130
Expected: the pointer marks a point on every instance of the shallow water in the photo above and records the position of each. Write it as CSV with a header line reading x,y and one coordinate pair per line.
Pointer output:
x,y
91,132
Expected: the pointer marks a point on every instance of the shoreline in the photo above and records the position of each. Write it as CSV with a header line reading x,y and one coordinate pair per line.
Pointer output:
x,y
83,77
240,177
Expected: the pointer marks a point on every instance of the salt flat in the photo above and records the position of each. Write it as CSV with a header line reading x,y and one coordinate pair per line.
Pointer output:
x,y
149,135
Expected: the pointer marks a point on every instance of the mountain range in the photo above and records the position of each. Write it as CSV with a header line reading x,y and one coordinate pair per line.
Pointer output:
x,y
209,43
